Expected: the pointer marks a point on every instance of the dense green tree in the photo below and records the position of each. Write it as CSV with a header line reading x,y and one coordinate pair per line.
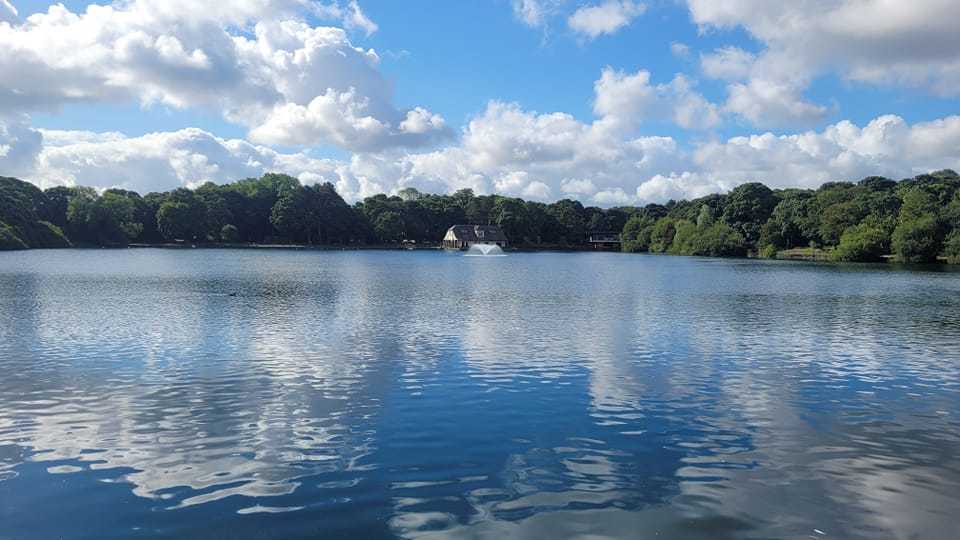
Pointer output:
x,y
951,247
22,213
294,215
705,218
685,234
107,220
511,216
862,220
55,211
389,226
9,239
182,216
636,233
661,236
571,219
748,207
791,223
217,212
917,239
718,240
479,210
865,242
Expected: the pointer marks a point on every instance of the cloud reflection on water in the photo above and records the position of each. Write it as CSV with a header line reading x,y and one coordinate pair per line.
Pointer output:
x,y
530,396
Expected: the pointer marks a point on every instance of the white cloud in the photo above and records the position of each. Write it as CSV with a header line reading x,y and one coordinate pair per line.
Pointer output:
x,y
685,185
680,50
254,61
532,13
624,100
609,17
577,187
505,150
19,146
771,103
728,63
613,197
356,18
346,120
912,44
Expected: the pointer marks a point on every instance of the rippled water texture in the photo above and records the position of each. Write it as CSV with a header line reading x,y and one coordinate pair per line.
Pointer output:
x,y
250,394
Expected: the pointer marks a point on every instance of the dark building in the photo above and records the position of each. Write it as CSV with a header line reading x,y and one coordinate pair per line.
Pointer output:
x,y
604,241
464,236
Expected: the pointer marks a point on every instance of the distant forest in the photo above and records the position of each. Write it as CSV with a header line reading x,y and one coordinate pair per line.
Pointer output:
x,y
912,220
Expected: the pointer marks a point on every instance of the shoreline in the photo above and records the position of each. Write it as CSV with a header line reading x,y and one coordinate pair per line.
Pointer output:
x,y
797,255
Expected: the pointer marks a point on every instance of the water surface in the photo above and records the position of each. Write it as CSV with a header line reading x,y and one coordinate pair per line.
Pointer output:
x,y
280,394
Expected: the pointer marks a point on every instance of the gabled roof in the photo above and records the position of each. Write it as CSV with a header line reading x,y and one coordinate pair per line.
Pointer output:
x,y
477,233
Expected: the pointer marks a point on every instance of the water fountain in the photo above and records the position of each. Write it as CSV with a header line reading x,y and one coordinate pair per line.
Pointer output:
x,y
485,250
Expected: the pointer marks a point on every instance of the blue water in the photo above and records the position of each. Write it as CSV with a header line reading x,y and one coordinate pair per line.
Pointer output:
x,y
283,394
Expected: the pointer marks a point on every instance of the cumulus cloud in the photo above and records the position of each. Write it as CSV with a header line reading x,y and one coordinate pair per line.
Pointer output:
x,y
256,62
346,120
624,100
607,18
504,150
154,162
19,146
912,44
728,63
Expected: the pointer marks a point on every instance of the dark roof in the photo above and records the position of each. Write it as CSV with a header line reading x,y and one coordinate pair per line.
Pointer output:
x,y
478,233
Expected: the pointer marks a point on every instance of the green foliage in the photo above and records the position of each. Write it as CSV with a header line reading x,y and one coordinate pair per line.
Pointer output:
x,y
951,247
748,207
23,209
685,233
705,218
569,216
853,220
863,243
792,223
108,220
636,233
182,216
9,239
661,236
389,226
768,251
716,240
293,214
917,239
511,216
917,203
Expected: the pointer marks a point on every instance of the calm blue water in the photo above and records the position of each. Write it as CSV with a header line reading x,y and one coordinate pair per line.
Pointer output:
x,y
431,395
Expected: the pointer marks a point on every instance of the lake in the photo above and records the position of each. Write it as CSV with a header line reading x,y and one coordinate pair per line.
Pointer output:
x,y
307,394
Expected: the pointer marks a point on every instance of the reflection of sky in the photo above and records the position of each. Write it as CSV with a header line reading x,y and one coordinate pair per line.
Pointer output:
x,y
421,394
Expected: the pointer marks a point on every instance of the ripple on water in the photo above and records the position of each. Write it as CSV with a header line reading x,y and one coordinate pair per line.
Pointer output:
x,y
418,395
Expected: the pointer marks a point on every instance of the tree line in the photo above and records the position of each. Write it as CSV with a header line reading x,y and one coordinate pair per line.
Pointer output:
x,y
914,220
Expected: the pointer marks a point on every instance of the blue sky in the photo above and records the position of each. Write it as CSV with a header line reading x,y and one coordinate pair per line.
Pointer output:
x,y
485,76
